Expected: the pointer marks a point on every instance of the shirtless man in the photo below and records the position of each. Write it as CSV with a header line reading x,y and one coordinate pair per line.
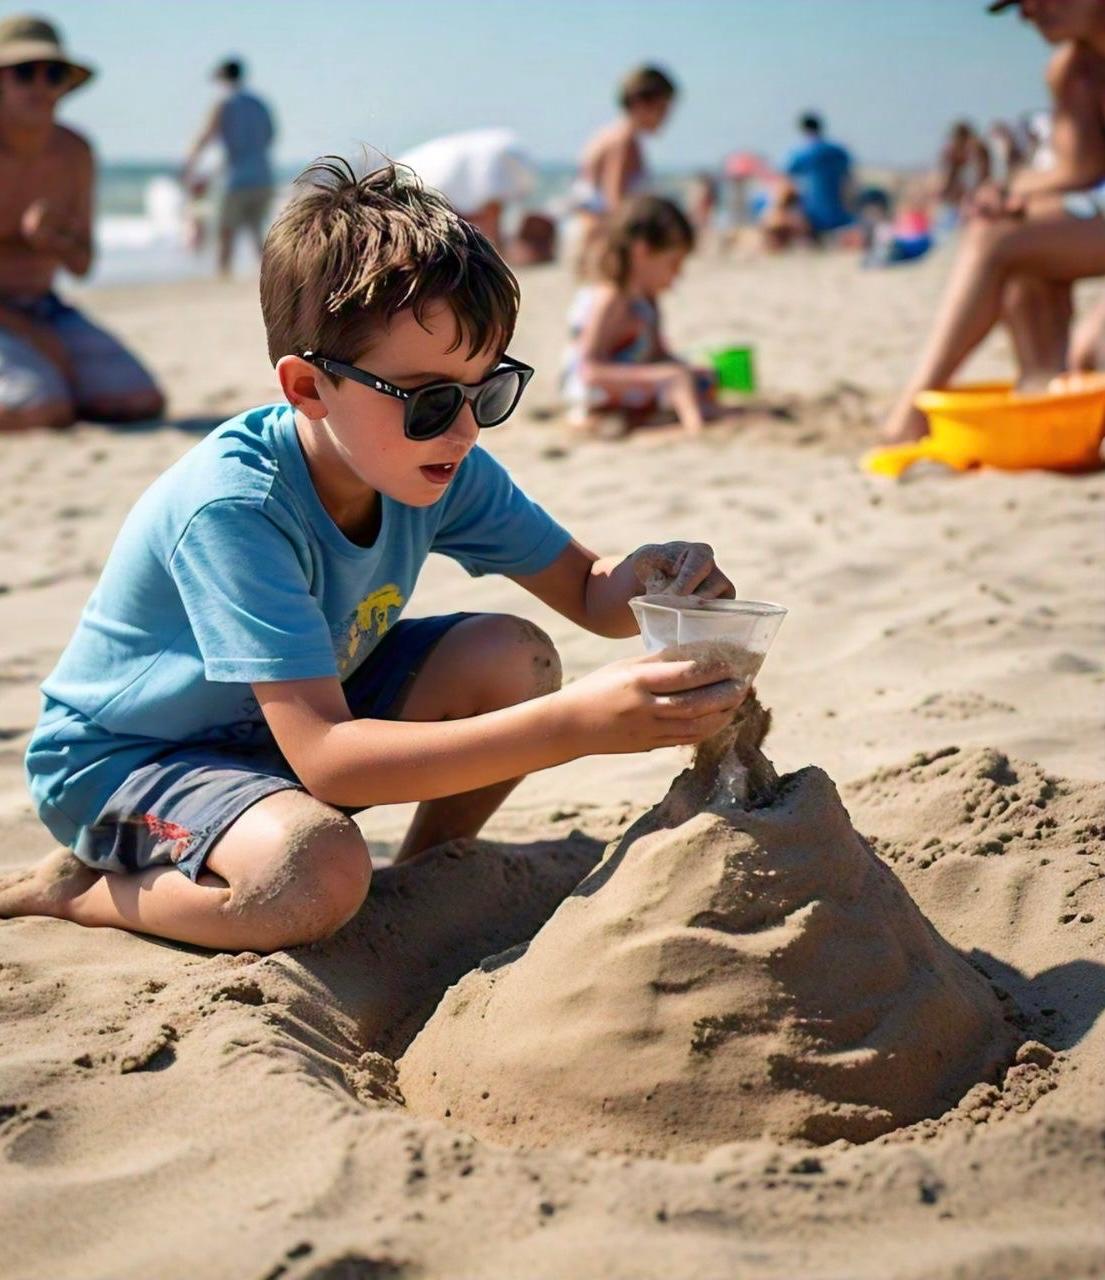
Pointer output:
x,y
55,366
1030,240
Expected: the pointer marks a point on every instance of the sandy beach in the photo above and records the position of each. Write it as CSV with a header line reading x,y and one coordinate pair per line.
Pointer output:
x,y
169,1112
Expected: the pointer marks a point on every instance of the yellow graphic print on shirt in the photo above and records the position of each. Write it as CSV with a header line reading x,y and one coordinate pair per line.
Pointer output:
x,y
371,620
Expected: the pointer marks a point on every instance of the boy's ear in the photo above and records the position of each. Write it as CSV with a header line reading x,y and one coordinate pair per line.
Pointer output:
x,y
299,380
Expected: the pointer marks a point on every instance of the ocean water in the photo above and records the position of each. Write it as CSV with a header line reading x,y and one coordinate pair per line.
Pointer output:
x,y
141,217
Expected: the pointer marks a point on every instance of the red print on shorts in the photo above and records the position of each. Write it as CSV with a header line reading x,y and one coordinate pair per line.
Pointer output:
x,y
165,830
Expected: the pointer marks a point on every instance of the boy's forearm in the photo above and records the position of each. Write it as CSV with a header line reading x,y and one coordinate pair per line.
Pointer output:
x,y
369,762
612,583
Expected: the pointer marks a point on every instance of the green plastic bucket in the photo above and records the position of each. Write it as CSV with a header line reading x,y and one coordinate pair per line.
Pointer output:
x,y
735,368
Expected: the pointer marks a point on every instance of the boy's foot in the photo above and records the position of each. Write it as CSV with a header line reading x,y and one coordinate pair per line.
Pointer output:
x,y
48,889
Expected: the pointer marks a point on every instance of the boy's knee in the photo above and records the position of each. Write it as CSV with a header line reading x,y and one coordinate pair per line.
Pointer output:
x,y
518,661
318,884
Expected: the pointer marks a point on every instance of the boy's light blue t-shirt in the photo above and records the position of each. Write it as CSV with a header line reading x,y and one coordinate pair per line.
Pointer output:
x,y
229,570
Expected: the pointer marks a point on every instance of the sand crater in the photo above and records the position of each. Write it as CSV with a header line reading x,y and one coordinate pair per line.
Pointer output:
x,y
739,965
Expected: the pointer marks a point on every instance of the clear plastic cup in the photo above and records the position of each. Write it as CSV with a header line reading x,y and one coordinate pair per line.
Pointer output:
x,y
749,625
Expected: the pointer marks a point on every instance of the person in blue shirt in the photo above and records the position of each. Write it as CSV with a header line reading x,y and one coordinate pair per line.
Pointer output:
x,y
242,122
822,172
242,678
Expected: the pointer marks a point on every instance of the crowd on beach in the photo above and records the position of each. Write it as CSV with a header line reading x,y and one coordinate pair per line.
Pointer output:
x,y
1024,198
211,719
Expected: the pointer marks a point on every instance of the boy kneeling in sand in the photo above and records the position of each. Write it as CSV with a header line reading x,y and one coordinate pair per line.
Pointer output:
x,y
239,682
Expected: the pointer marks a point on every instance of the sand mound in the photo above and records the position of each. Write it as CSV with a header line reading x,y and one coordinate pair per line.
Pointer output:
x,y
725,973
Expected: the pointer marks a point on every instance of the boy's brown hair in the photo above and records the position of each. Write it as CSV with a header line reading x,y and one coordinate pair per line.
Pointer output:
x,y
659,223
646,84
349,253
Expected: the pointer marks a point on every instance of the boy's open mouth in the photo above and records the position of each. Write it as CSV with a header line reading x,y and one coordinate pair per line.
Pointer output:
x,y
439,472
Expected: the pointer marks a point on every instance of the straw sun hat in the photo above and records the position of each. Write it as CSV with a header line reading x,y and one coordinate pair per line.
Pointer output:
x,y
25,38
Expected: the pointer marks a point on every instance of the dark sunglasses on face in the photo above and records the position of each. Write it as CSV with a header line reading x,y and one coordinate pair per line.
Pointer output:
x,y
54,73
431,409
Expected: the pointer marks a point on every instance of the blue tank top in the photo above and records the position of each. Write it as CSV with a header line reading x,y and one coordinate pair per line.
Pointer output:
x,y
246,130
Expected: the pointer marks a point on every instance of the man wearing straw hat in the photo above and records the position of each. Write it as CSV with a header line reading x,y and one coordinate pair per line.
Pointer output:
x,y
55,365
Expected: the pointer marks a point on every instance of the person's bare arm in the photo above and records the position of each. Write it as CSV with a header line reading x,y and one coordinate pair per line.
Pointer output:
x,y
608,319
204,138
633,705
1077,137
615,168
594,592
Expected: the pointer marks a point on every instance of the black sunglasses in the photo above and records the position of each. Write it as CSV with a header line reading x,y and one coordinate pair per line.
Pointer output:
x,y
55,73
431,409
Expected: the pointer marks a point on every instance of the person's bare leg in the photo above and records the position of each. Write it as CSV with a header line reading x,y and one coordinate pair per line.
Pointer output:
x,y
137,406
56,414
1087,343
482,664
225,250
1050,245
1038,316
290,870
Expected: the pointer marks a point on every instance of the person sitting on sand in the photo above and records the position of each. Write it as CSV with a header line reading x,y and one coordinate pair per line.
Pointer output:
x,y
241,680
618,359
1029,241
243,124
482,172
613,165
822,172
783,222
55,365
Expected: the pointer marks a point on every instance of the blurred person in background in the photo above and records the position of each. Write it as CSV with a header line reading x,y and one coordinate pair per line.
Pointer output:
x,y
963,166
482,173
55,365
242,123
822,175
613,166
1032,238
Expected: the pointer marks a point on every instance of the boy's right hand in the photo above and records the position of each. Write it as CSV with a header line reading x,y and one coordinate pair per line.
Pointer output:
x,y
639,704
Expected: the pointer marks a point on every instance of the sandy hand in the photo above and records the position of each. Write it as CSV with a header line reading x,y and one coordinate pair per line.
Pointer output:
x,y
681,569
639,704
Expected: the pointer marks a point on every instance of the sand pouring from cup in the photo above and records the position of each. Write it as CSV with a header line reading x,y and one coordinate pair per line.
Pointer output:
x,y
750,625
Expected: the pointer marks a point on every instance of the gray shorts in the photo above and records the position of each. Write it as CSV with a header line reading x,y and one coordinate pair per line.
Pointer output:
x,y
103,369
246,207
173,810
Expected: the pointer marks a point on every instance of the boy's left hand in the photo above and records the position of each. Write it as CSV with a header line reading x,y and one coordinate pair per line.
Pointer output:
x,y
681,569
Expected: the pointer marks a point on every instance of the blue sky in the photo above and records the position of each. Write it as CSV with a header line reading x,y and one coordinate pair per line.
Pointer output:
x,y
888,74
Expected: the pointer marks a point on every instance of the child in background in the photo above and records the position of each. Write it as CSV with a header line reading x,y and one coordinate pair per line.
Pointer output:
x,y
618,359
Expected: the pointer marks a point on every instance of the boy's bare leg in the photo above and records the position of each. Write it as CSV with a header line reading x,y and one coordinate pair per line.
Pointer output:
x,y
1050,245
290,870
482,664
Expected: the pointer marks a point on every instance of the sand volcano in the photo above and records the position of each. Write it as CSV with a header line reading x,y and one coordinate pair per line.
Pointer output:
x,y
739,965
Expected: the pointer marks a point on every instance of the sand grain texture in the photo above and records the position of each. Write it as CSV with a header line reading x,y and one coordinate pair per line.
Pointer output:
x,y
943,647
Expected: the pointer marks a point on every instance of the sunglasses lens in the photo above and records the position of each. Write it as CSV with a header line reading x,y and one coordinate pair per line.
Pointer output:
x,y
55,73
434,412
497,399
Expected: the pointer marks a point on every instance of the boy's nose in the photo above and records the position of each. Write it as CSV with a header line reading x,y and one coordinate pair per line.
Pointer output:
x,y
464,429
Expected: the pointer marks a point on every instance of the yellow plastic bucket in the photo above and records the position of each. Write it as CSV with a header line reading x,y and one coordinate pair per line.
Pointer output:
x,y
993,425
